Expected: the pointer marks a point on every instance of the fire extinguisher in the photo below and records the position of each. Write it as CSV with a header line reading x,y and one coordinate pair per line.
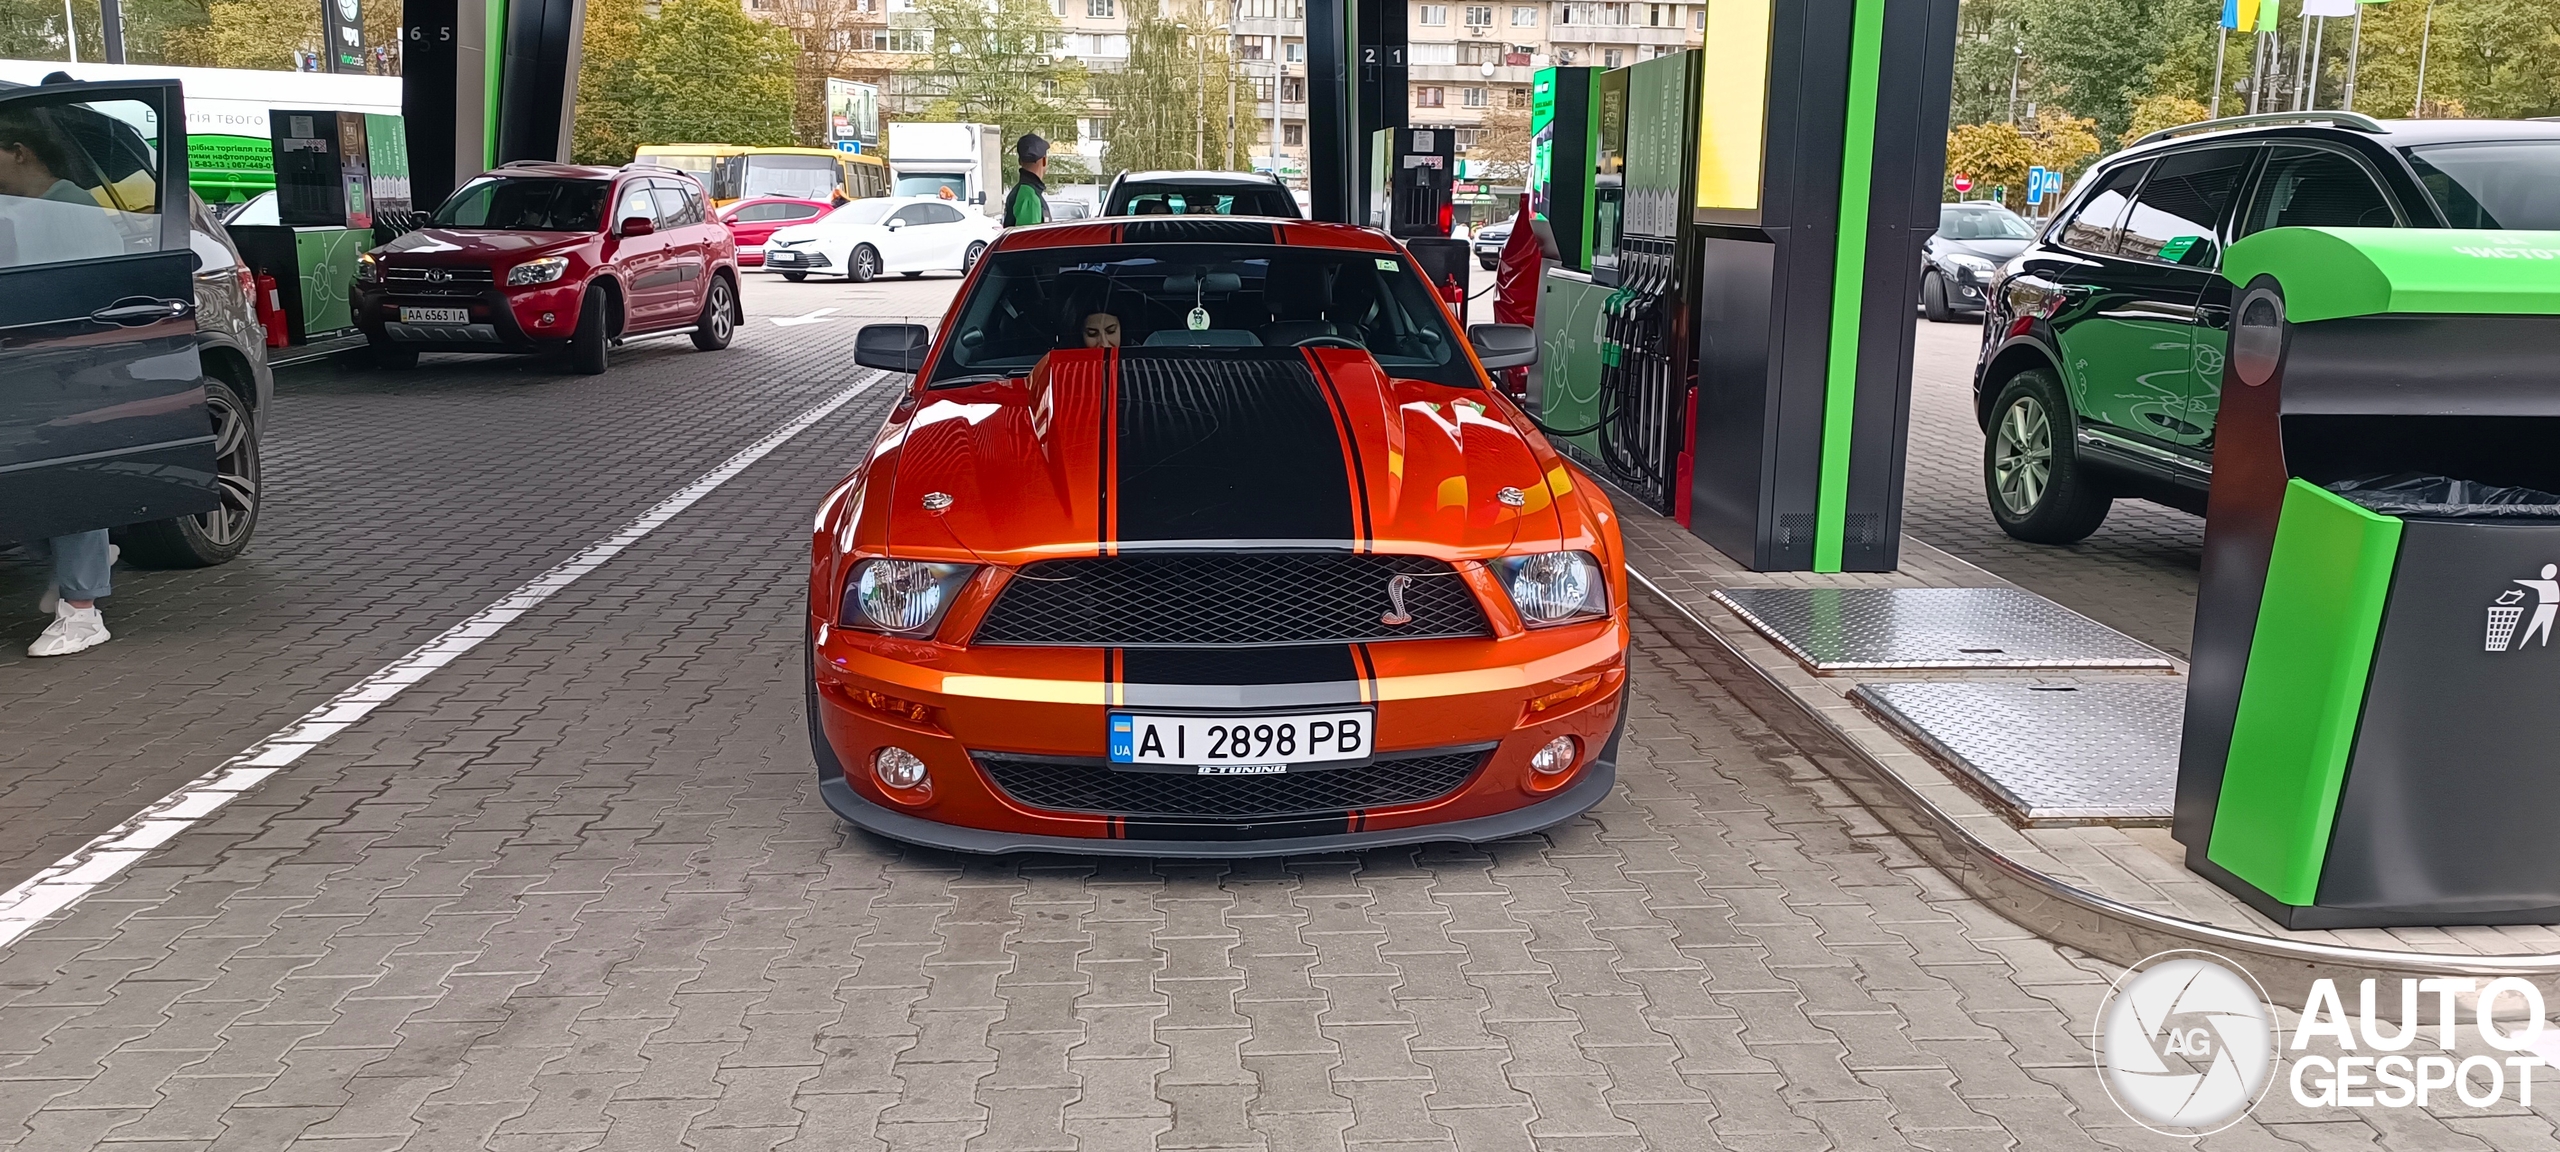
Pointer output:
x,y
271,310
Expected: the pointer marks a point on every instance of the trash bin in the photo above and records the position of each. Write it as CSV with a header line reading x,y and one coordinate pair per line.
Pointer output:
x,y
2373,718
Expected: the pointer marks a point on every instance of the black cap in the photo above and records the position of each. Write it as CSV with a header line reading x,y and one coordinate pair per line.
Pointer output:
x,y
1031,147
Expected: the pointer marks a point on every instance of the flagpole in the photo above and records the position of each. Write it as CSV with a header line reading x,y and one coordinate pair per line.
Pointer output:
x,y
2418,106
2302,65
2355,48
2220,47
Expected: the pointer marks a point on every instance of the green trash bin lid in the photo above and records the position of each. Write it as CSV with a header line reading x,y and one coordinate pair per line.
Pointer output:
x,y
2329,273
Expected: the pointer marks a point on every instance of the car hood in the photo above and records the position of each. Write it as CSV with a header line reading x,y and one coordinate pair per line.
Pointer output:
x,y
1995,251
1098,452
470,246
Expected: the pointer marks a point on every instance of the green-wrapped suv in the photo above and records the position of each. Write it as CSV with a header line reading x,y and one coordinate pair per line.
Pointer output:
x,y
2102,350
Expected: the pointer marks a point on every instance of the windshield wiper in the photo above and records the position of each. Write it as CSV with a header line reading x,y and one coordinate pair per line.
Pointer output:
x,y
978,378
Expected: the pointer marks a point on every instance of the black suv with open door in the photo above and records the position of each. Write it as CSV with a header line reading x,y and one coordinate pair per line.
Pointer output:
x,y
2101,365
132,368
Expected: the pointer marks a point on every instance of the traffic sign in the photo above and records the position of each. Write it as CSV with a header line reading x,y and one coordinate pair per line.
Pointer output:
x,y
853,146
1964,183
2035,185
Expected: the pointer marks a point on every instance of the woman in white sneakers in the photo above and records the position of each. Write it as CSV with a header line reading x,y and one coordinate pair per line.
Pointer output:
x,y
83,563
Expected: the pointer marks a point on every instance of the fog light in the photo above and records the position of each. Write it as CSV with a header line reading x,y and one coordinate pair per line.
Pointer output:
x,y
1555,759
898,768
547,319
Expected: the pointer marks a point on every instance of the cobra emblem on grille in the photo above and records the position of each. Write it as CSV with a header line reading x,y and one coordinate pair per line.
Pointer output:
x,y
1395,596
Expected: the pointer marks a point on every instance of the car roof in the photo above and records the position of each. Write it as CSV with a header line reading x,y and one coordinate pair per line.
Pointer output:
x,y
571,171
1109,230
2391,133
1174,176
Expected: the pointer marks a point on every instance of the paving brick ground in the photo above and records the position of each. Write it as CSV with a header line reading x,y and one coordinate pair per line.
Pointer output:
x,y
2137,574
574,890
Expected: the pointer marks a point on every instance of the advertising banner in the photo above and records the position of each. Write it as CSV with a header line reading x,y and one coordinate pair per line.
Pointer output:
x,y
853,112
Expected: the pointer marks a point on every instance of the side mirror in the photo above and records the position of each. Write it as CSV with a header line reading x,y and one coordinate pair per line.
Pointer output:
x,y
1500,346
977,197
638,226
892,347
894,225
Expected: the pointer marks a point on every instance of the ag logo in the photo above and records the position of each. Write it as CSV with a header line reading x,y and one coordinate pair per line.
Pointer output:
x,y
2512,605
2186,1044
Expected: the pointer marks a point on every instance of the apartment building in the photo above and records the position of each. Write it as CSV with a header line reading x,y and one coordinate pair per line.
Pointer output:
x,y
1471,63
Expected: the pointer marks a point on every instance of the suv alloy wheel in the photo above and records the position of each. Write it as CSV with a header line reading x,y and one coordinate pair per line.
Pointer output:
x,y
718,323
2031,468
209,538
590,352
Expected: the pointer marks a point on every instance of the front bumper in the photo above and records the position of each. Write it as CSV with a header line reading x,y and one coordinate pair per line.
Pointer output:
x,y
500,321
796,259
981,711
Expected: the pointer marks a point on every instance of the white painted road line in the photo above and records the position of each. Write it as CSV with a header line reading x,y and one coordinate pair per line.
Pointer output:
x,y
810,317
71,879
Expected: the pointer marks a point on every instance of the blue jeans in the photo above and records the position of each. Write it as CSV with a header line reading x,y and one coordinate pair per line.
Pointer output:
x,y
81,570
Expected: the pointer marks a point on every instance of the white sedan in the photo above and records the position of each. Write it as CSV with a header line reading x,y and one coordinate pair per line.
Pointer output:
x,y
909,235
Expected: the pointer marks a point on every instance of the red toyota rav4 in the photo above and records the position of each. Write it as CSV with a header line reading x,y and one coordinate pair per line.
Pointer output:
x,y
526,258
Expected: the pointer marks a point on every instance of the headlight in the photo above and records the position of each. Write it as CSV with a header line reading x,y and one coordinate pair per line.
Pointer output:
x,y
542,271
1554,587
1966,262
901,595
369,268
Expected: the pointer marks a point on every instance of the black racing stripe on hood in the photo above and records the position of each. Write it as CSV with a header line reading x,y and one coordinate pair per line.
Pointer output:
x,y
1228,444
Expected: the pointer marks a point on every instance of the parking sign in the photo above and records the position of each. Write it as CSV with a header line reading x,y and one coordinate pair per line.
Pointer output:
x,y
2035,186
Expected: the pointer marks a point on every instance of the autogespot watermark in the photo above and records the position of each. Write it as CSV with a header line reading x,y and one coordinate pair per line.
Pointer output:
x,y
2187,1044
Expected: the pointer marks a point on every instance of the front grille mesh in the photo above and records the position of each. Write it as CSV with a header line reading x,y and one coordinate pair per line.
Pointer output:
x,y
1216,599
1095,788
457,282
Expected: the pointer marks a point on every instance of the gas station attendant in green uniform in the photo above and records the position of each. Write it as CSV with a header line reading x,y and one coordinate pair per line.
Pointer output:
x,y
1028,204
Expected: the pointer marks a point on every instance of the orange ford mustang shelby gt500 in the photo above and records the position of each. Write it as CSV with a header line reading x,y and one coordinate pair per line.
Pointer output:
x,y
1206,537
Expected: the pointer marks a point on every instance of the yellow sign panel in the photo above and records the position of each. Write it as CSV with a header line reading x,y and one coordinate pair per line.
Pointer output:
x,y
1733,104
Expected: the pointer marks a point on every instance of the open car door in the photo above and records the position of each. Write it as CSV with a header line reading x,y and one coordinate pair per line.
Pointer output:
x,y
102,405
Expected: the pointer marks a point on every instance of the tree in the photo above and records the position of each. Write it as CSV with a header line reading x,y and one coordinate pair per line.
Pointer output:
x,y
2095,56
2158,112
1988,36
838,39
1170,101
1999,154
701,71
995,62
1502,145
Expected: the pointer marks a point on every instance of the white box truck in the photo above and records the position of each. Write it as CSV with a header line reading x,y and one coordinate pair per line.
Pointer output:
x,y
968,159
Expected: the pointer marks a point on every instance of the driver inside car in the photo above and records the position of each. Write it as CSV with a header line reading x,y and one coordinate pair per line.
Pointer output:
x,y
1099,330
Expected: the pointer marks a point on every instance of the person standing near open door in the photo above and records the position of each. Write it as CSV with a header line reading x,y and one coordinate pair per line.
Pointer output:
x,y
1029,203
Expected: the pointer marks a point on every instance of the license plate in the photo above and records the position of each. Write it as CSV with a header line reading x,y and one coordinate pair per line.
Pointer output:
x,y
1241,745
435,315
782,256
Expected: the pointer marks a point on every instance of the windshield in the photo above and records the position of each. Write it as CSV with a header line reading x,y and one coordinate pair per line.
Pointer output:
x,y
930,184
1176,200
1028,303
2512,184
861,212
799,177
1985,223
531,204
698,164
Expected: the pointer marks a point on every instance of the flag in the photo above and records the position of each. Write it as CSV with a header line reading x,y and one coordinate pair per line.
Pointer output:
x,y
2249,15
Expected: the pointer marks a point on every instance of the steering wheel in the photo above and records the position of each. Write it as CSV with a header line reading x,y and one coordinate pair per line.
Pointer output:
x,y
1331,342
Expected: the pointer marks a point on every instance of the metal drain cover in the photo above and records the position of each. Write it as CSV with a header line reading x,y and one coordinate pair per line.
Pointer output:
x,y
2096,752
1881,629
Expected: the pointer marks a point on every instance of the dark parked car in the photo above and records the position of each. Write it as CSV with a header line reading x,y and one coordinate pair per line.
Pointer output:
x,y
1964,256
1489,240
136,374
2101,366
1200,194
554,258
